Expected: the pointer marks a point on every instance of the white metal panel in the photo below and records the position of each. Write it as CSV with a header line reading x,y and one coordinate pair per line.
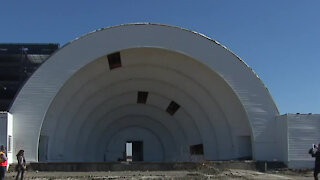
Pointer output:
x,y
129,148
5,132
3,128
303,131
282,131
10,133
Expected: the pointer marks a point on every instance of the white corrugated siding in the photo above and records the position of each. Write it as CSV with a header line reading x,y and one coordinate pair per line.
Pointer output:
x,y
5,131
283,137
303,131
3,128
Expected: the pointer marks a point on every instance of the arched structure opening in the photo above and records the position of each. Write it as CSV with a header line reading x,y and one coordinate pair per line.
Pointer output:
x,y
88,115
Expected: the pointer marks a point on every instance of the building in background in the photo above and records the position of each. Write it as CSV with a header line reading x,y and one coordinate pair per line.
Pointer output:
x,y
17,63
152,92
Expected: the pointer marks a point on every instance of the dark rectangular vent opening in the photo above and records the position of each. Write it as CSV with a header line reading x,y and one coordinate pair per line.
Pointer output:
x,y
173,107
142,97
10,143
196,149
114,60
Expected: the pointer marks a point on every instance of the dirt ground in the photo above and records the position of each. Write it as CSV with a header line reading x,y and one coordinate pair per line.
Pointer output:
x,y
230,174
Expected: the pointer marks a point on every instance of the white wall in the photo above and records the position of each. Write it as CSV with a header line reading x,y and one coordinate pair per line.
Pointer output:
x,y
303,130
282,130
5,132
10,133
3,128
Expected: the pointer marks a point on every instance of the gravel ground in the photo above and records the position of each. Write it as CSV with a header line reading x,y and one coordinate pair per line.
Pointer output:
x,y
231,174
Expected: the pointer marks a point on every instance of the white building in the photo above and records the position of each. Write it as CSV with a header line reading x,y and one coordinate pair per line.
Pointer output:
x,y
177,95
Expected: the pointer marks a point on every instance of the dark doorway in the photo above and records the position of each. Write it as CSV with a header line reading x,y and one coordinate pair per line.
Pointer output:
x,y
137,150
43,148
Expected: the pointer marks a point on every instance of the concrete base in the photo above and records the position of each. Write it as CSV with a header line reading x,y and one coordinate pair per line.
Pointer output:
x,y
152,166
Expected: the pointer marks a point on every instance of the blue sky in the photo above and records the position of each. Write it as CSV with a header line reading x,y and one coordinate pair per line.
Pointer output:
x,y
279,39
